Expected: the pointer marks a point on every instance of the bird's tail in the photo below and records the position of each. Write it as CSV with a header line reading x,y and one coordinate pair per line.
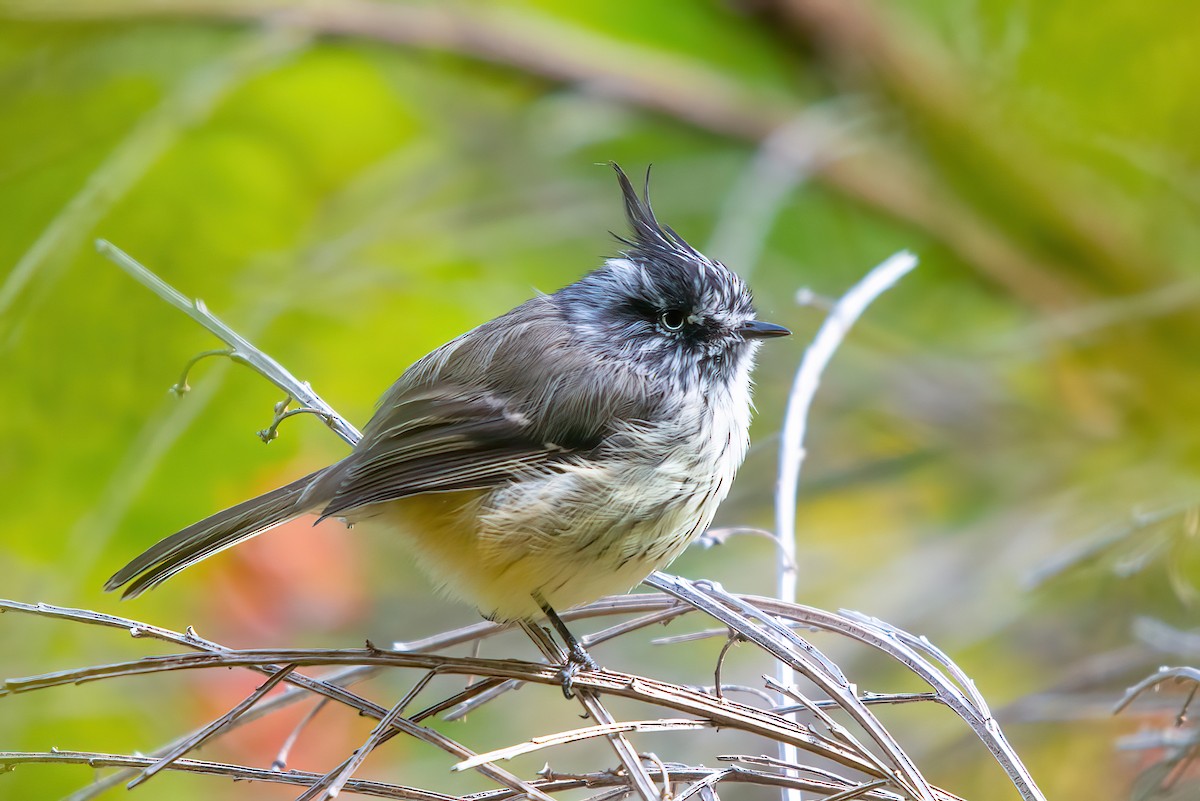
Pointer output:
x,y
212,534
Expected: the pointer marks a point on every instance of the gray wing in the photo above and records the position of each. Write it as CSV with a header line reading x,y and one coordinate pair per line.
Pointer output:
x,y
514,395
437,444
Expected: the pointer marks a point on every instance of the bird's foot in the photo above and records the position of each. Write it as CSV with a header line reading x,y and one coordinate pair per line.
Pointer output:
x,y
577,659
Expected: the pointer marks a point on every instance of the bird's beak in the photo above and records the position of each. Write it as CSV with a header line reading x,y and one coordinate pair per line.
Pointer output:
x,y
757,329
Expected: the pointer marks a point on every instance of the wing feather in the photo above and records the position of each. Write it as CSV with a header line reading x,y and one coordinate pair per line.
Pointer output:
x,y
464,441
460,420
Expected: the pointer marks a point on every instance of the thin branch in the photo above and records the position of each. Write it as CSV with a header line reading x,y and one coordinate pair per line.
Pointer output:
x,y
213,651
479,689
725,714
208,731
791,450
1162,675
285,750
719,536
659,609
922,644
242,350
731,640
722,712
639,778
897,644
702,784
330,785
808,377
576,735
767,698
866,698
264,661
550,783
856,792
182,387
782,643
836,730
290,696
661,617
465,708
9,759
271,432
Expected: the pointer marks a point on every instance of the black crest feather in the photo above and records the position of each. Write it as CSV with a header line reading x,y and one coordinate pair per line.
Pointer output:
x,y
650,237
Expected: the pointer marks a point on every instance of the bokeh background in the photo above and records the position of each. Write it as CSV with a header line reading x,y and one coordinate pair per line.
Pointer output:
x,y
1003,456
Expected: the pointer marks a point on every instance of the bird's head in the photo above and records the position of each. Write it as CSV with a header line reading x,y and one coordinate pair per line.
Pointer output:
x,y
665,308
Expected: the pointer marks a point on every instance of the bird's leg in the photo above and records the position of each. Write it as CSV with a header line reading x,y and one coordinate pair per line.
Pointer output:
x,y
577,656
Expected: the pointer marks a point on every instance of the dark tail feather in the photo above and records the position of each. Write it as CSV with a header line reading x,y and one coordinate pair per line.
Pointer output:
x,y
203,539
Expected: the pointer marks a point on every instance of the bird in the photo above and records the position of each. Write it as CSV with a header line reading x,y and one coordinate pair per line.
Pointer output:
x,y
555,454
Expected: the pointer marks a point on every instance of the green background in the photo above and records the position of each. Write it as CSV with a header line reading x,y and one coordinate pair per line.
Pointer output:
x,y
352,184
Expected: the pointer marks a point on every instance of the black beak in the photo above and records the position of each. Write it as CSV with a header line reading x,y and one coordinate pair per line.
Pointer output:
x,y
757,329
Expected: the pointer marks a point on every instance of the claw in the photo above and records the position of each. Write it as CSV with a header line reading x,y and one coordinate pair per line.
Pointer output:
x,y
577,656
577,659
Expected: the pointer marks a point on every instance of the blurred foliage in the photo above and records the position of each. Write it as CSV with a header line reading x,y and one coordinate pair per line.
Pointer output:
x,y
353,184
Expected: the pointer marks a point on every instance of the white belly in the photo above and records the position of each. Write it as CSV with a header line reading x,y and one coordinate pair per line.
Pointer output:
x,y
572,534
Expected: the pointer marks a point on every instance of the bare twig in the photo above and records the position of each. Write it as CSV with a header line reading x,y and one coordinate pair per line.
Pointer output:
x,y
208,731
213,651
866,698
575,735
1163,674
182,387
969,707
699,786
343,677
856,792
550,783
719,536
871,632
285,750
1177,746
731,640
784,645
836,730
9,759
330,785
791,450
464,708
722,712
241,350
272,431
638,776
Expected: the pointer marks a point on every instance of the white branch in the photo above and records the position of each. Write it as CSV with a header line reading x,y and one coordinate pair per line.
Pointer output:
x,y
575,735
791,450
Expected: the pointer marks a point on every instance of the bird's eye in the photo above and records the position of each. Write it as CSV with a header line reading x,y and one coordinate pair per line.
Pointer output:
x,y
672,319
